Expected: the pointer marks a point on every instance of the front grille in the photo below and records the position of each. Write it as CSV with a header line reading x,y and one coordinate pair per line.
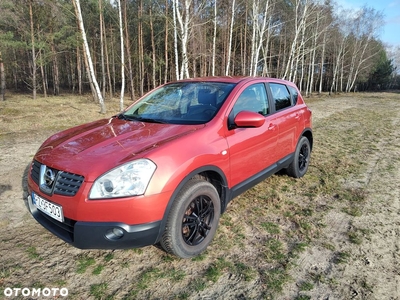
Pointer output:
x,y
35,173
66,184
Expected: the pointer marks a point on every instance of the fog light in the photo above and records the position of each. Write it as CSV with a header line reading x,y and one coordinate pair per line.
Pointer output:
x,y
114,234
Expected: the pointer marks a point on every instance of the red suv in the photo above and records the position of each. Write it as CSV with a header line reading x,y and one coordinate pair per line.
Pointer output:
x,y
164,170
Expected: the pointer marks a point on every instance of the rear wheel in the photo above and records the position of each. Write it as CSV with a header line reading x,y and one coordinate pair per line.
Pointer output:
x,y
299,165
193,219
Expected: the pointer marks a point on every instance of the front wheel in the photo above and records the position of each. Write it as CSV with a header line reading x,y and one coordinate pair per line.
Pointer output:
x,y
301,160
193,219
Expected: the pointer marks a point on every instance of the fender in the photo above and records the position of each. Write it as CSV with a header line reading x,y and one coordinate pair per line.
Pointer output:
x,y
307,132
224,192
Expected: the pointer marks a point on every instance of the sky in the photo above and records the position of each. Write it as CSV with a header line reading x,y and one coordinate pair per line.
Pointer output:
x,y
390,9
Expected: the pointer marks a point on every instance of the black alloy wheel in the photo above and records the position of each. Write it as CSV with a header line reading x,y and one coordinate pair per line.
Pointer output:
x,y
192,220
198,220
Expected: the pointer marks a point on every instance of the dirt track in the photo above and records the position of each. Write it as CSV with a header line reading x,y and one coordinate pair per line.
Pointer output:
x,y
32,257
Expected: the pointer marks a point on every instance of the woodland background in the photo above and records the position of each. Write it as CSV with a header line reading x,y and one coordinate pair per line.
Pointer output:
x,y
141,44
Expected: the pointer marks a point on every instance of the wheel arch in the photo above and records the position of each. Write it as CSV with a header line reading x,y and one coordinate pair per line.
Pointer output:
x,y
308,134
212,174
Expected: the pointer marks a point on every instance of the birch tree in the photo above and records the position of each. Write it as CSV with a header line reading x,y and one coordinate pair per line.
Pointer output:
x,y
33,49
103,69
260,30
301,14
214,46
92,77
128,51
121,34
183,18
340,41
2,80
230,39
166,55
365,27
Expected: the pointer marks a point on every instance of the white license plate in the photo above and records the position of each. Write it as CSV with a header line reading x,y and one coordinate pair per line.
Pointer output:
x,y
53,210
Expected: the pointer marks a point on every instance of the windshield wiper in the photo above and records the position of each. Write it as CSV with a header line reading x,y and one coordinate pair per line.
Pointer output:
x,y
150,120
140,119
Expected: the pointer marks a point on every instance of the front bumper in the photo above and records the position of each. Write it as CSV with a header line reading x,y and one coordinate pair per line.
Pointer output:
x,y
98,235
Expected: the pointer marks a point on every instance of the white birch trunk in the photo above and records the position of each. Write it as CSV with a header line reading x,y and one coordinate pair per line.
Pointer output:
x,y
176,41
228,63
184,22
289,64
259,39
121,34
97,91
214,39
336,68
103,71
321,71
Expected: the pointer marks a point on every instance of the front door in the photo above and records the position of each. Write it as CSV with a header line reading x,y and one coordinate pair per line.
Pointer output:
x,y
252,150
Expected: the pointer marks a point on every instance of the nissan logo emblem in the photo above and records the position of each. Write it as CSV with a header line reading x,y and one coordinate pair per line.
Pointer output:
x,y
49,177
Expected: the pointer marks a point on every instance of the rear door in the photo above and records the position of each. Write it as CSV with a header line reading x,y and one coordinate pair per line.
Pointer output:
x,y
288,117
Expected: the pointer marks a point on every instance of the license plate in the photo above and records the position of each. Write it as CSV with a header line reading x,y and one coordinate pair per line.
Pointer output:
x,y
53,210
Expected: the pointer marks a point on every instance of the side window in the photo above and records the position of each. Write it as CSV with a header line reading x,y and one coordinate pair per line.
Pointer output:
x,y
253,98
280,95
294,94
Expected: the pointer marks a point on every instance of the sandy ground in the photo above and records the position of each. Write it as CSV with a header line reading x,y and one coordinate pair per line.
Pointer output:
x,y
30,256
373,268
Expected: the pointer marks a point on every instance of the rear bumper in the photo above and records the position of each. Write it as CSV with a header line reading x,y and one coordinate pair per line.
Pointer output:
x,y
98,235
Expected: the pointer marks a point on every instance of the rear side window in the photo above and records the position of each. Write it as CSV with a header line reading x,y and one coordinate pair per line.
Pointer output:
x,y
295,94
280,95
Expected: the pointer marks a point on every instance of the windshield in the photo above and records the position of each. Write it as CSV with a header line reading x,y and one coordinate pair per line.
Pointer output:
x,y
181,103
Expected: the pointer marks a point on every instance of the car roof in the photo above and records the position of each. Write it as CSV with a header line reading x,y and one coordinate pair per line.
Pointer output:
x,y
233,79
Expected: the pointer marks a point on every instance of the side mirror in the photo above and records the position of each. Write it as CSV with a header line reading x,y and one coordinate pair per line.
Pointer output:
x,y
246,119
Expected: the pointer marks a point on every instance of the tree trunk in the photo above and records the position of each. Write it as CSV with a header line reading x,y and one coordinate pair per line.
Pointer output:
x,y
321,71
153,47
214,39
113,62
141,49
174,14
128,53
166,43
336,67
103,69
228,61
79,69
33,52
92,77
110,87
43,74
184,24
2,80
56,77
121,101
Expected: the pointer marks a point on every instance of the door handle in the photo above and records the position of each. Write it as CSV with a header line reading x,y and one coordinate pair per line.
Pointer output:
x,y
272,126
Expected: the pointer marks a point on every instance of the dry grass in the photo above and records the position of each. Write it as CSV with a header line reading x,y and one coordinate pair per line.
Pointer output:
x,y
20,114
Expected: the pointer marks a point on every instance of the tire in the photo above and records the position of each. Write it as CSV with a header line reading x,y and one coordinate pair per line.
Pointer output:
x,y
301,160
193,219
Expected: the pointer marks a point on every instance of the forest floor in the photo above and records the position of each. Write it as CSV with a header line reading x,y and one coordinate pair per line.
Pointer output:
x,y
333,234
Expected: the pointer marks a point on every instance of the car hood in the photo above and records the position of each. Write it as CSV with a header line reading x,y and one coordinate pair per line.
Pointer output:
x,y
94,148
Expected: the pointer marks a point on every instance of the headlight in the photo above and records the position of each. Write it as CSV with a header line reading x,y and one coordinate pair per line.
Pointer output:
x,y
130,179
